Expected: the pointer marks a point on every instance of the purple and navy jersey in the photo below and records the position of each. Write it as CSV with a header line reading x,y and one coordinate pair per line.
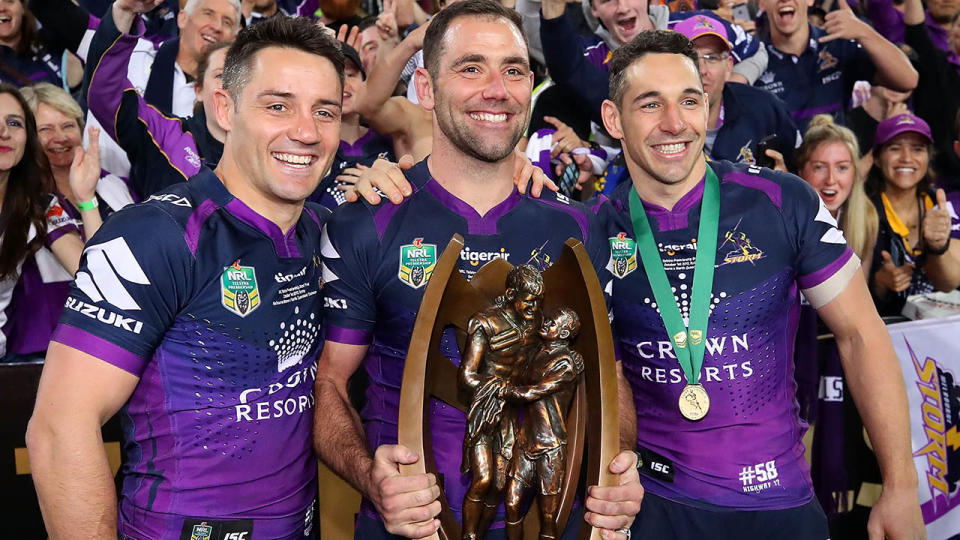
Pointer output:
x,y
819,81
775,240
377,261
217,311
364,151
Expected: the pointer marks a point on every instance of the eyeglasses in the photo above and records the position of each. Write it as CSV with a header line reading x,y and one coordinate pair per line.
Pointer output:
x,y
714,58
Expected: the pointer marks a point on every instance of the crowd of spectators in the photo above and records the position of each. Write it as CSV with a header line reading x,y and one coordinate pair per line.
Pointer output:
x,y
861,100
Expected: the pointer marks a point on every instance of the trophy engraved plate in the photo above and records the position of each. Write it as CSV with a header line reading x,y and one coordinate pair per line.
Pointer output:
x,y
536,367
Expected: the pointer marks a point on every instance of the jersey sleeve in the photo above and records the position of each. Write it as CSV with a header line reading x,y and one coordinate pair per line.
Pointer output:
x,y
59,223
349,247
953,206
824,262
134,278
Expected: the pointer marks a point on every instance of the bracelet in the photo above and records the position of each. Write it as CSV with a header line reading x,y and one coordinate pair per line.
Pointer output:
x,y
940,251
88,205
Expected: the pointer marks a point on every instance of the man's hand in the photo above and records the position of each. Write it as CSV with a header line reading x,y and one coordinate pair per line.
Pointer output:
x,y
896,516
565,139
85,169
583,167
891,277
844,24
613,509
408,505
524,173
936,224
349,35
383,175
778,162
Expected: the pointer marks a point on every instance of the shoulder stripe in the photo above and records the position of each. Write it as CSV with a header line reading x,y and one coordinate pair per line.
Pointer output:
x,y
191,233
767,186
579,216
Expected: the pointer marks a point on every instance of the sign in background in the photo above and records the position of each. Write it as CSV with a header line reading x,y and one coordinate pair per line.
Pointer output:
x,y
929,353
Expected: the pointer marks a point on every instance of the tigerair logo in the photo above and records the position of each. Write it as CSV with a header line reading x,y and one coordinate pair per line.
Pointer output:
x,y
743,249
475,258
935,416
673,249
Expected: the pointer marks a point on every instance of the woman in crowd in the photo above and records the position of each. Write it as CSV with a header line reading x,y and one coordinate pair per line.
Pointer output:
x,y
29,54
86,198
31,217
829,160
914,253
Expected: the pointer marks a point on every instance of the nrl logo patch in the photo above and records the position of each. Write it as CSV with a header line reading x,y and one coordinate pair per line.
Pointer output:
x,y
201,532
417,261
239,293
623,255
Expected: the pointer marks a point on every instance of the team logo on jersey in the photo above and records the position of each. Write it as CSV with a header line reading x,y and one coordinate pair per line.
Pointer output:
x,y
743,249
623,255
417,261
239,293
539,258
768,77
746,154
201,531
827,60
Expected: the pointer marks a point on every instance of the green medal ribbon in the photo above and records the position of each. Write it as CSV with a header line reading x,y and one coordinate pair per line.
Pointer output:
x,y
689,351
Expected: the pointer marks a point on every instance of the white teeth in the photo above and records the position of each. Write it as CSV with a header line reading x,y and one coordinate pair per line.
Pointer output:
x,y
293,159
208,39
4,19
829,192
674,148
906,170
785,11
489,117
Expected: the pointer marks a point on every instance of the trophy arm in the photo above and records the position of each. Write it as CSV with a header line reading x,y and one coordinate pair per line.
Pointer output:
x,y
469,373
553,382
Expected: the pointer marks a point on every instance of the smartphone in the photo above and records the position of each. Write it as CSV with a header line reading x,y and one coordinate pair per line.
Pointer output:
x,y
741,12
771,142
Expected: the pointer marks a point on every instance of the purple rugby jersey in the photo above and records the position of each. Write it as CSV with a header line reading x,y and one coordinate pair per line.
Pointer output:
x,y
218,313
372,292
775,239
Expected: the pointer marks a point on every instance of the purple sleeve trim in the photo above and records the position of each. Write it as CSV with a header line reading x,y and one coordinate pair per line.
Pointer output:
x,y
769,187
384,214
313,215
95,346
170,139
349,336
813,279
59,232
109,81
191,233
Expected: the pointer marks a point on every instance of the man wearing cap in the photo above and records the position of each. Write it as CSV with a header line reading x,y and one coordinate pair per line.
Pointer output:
x,y
359,144
814,70
740,115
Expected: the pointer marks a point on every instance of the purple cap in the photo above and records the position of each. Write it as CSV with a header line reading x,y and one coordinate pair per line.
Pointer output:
x,y
901,123
703,25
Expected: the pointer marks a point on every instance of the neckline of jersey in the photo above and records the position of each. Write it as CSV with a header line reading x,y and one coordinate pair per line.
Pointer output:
x,y
476,224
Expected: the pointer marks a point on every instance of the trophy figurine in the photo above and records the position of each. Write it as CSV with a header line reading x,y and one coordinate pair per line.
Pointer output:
x,y
528,384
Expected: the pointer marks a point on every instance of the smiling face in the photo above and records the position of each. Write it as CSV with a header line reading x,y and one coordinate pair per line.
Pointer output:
x,y
284,128
354,88
527,305
620,17
11,21
369,46
59,135
786,16
716,65
211,83
904,161
662,117
481,93
13,133
830,170
209,22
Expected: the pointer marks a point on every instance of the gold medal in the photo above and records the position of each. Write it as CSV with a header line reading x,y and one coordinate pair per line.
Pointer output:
x,y
694,402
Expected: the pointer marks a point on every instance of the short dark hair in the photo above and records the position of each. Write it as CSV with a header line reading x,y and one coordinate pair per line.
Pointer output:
x,y
523,279
433,39
647,42
290,32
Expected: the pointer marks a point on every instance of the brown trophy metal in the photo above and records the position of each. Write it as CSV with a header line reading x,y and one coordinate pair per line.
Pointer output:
x,y
451,300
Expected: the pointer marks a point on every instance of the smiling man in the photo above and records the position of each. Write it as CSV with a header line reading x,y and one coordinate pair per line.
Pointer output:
x,y
706,324
198,313
377,261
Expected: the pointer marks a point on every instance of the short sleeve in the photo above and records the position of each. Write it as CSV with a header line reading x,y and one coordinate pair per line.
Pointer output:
x,y
824,262
348,247
59,222
953,206
134,278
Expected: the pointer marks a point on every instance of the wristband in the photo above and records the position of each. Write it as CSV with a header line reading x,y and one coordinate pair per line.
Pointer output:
x,y
940,251
88,205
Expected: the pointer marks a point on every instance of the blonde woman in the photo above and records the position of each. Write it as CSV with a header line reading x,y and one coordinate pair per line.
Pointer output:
x,y
829,161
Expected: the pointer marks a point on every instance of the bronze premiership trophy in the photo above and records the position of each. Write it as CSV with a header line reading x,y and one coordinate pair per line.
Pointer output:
x,y
537,367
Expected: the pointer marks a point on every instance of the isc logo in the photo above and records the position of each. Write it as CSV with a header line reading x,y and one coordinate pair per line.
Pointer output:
x,y
660,467
236,536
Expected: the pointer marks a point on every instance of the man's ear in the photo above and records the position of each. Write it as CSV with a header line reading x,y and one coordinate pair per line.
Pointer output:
x,y
611,119
182,19
423,82
225,109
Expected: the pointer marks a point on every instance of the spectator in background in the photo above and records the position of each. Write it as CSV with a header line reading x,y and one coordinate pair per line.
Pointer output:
x,y
829,161
883,103
914,253
43,286
937,98
814,70
939,19
162,150
32,217
29,54
740,115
